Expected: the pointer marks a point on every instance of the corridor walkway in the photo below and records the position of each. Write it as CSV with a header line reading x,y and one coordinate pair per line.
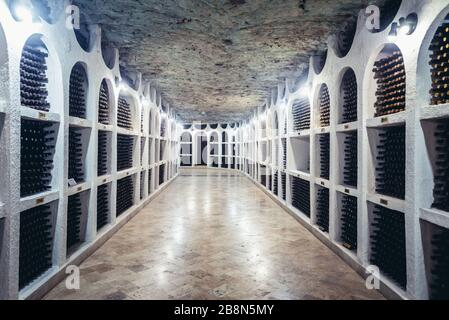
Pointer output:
x,y
215,236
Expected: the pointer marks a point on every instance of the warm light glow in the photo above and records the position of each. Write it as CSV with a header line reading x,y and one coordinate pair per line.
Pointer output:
x,y
405,29
304,91
23,13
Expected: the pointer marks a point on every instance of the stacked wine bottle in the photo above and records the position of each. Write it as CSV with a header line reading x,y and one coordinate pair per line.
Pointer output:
x,y
263,177
301,115
270,182
439,278
161,174
77,92
102,206
36,244
301,195
36,157
324,140
284,153
390,75
284,185
142,150
439,62
142,184
33,78
323,209
388,244
275,183
325,107
124,152
103,105
349,92
74,213
76,167
124,114
125,195
441,175
351,164
349,222
102,153
390,169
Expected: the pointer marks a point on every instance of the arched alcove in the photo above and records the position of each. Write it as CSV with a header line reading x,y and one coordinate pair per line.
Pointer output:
x,y
386,89
348,97
82,33
126,111
106,103
323,106
319,61
40,76
78,91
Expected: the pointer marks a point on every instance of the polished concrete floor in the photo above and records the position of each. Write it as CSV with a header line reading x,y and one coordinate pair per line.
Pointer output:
x,y
215,236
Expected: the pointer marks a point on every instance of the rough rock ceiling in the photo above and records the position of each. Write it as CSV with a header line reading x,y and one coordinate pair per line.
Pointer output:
x,y
217,60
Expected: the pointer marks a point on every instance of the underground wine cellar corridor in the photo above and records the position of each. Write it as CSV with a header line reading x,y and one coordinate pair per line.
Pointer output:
x,y
231,242
224,149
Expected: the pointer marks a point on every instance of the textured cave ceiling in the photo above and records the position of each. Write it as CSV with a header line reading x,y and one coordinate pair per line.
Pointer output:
x,y
217,60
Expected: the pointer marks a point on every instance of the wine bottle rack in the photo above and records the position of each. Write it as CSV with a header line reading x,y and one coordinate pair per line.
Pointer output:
x,y
104,112
124,117
74,214
125,195
350,168
142,185
33,77
275,183
349,221
36,157
270,182
125,148
103,206
388,244
325,106
36,244
142,150
301,115
389,73
103,154
322,208
284,153
263,175
284,185
76,161
349,97
301,195
441,171
390,162
77,92
437,260
161,174
324,153
439,49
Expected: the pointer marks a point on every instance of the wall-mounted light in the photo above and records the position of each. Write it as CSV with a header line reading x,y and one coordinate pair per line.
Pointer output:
x,y
405,27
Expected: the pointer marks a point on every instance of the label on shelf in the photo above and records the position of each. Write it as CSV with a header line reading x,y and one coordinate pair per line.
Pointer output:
x,y
40,200
346,126
384,202
72,182
42,116
384,120
348,191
